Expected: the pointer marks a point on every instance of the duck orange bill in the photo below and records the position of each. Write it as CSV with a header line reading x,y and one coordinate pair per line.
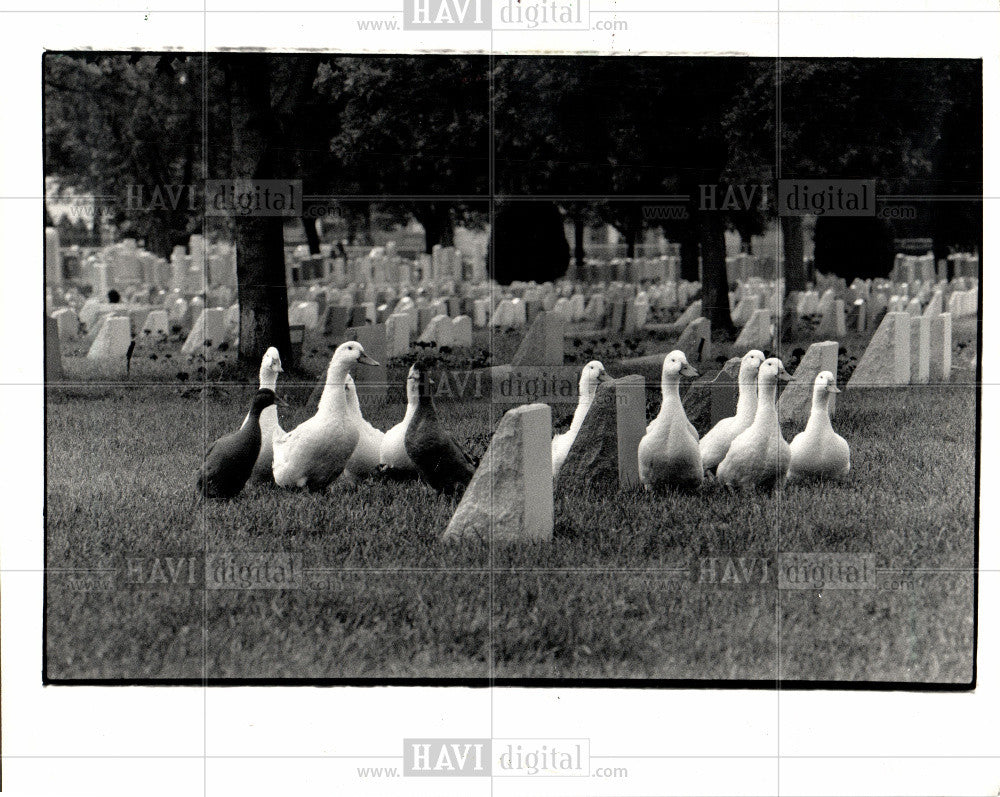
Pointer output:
x,y
784,376
364,359
687,370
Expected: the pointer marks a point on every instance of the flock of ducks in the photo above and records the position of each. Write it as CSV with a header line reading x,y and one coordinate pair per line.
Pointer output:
x,y
338,445
748,449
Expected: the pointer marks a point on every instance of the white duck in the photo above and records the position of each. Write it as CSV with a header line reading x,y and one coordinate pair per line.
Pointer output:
x,y
392,453
818,451
759,456
715,444
315,452
591,376
364,459
270,367
668,452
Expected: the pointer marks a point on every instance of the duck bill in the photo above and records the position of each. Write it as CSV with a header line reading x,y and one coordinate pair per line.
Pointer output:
x,y
832,389
784,376
364,359
687,370
605,377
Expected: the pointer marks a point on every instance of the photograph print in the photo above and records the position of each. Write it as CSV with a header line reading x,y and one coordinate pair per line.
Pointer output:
x,y
511,370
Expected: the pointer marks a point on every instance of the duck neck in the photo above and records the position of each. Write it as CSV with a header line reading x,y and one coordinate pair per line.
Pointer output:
x,y
670,393
426,402
746,404
411,407
582,408
819,416
766,411
268,380
334,398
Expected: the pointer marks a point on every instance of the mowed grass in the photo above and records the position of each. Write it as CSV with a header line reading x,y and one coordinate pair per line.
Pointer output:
x,y
615,594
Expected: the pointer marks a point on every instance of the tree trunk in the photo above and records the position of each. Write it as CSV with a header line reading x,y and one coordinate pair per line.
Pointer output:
x,y
690,270
579,228
715,284
260,255
791,236
312,236
435,218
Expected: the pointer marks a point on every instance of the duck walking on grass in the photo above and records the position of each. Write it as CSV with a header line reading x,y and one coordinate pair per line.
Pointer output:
x,y
440,461
270,367
818,452
315,452
393,459
759,456
591,376
230,459
715,444
668,452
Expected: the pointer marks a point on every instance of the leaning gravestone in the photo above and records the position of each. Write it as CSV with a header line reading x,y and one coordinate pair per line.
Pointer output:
x,y
461,332
886,361
544,343
758,332
696,340
795,402
833,324
940,348
67,323
112,340
725,390
438,331
691,313
510,496
605,454
397,331
53,351
920,342
157,324
208,331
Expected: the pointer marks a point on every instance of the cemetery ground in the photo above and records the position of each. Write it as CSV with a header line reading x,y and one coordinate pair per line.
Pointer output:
x,y
616,594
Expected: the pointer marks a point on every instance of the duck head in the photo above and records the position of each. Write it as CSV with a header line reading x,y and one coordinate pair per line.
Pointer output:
x,y
262,399
348,354
270,367
750,365
591,375
676,365
413,385
825,383
771,370
271,362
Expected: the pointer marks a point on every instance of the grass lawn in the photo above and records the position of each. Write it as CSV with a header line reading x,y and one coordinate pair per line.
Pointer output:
x,y
614,595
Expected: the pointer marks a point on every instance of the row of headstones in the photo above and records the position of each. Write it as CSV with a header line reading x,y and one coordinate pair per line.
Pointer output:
x,y
905,350
664,268
907,268
516,470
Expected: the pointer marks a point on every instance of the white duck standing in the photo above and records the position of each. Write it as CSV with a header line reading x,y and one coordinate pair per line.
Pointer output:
x,y
715,444
759,456
270,367
315,452
818,452
668,452
364,459
393,458
591,376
